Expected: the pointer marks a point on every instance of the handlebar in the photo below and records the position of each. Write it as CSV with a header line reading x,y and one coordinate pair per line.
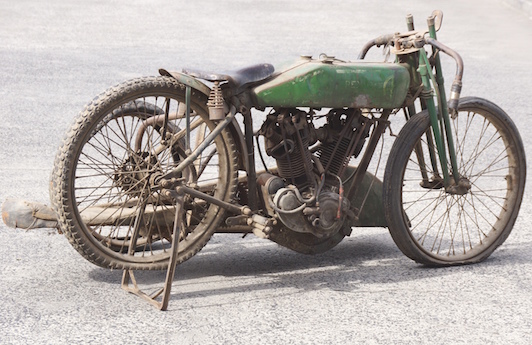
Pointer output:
x,y
456,88
379,41
414,40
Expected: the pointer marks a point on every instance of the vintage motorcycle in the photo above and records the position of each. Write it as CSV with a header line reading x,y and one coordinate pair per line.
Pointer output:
x,y
154,166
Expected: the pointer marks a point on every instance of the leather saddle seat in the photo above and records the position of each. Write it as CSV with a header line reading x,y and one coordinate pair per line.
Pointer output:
x,y
236,79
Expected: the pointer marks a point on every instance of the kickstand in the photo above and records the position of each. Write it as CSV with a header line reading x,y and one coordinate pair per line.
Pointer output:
x,y
129,276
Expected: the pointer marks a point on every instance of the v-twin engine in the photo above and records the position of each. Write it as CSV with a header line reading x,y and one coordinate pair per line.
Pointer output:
x,y
306,192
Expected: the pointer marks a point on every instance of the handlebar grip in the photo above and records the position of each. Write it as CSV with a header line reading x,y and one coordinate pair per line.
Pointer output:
x,y
456,88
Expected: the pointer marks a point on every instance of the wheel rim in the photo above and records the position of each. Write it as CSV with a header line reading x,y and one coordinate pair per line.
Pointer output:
x,y
111,180
454,227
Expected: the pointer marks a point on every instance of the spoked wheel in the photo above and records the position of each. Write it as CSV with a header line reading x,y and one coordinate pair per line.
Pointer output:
x,y
436,227
104,184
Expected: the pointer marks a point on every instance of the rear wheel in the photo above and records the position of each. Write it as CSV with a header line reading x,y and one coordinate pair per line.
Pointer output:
x,y
435,227
104,186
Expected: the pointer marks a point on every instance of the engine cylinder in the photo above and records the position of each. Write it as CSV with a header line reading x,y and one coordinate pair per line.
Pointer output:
x,y
287,140
338,160
293,164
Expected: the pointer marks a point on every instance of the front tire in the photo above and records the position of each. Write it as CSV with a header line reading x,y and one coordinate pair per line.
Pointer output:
x,y
437,228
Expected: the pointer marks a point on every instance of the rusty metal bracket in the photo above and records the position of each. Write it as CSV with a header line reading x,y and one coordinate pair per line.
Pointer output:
x,y
128,275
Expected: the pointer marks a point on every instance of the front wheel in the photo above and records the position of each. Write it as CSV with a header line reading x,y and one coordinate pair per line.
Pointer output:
x,y
435,227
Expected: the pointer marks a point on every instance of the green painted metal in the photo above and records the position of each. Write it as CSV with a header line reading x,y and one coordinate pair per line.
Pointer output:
x,y
425,72
368,200
336,84
411,62
442,102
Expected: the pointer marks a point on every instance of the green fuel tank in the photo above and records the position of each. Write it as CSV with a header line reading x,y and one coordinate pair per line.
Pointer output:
x,y
331,83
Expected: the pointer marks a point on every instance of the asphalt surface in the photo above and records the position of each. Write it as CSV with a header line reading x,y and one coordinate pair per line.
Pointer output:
x,y
56,55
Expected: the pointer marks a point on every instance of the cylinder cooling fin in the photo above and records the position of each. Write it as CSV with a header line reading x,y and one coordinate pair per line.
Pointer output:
x,y
306,193
341,138
288,135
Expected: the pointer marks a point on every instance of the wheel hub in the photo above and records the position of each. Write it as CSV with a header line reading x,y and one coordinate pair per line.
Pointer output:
x,y
461,188
134,173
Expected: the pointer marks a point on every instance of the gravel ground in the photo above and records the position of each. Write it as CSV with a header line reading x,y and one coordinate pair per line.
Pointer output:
x,y
56,55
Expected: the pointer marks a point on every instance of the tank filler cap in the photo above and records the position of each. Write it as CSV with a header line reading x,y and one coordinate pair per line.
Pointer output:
x,y
324,58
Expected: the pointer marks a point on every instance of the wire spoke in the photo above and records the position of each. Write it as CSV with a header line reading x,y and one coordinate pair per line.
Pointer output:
x,y
457,224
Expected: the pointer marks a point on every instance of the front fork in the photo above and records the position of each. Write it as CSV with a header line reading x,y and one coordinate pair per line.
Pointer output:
x,y
440,123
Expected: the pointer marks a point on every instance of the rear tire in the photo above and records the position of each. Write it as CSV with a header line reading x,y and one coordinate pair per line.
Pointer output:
x,y
105,169
437,228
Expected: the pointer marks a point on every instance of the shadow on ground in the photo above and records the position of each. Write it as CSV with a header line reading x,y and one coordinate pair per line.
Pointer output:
x,y
239,267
